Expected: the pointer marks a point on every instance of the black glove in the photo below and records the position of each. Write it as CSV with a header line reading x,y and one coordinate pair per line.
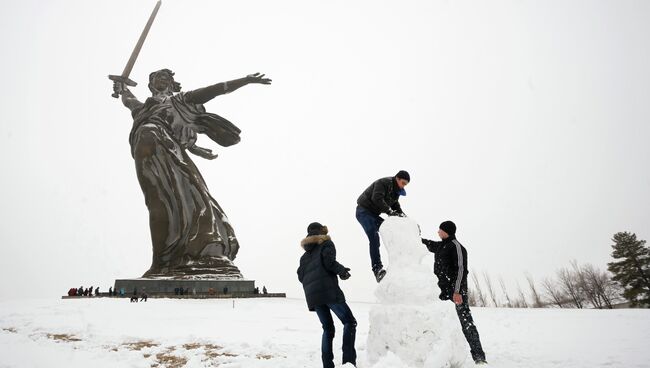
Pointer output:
x,y
392,212
345,274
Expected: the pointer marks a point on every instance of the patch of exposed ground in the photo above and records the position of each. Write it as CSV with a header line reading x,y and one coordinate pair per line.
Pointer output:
x,y
10,329
211,350
211,354
168,360
139,345
63,337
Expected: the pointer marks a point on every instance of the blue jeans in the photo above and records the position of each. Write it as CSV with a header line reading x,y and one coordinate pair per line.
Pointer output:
x,y
343,313
371,223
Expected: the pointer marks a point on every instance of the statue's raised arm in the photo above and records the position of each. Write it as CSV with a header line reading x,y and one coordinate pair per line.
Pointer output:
x,y
128,98
205,94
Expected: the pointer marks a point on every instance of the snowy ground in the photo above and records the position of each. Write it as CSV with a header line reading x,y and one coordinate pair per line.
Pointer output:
x,y
282,333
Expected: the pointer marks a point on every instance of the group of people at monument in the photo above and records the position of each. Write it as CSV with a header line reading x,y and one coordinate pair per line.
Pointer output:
x,y
319,269
80,291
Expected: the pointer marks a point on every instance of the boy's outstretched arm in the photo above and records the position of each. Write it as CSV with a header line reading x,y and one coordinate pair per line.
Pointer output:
x,y
432,245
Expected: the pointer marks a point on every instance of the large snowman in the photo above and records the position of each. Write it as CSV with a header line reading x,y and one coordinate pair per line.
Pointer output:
x,y
411,327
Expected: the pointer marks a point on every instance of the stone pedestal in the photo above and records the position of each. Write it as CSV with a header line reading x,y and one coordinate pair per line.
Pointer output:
x,y
158,286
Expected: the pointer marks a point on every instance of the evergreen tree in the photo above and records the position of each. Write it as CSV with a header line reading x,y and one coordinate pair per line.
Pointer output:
x,y
632,267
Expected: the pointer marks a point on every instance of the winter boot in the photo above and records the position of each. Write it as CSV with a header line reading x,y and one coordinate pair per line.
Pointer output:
x,y
379,274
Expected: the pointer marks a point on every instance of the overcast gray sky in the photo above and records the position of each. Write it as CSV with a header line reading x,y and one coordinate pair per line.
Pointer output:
x,y
525,122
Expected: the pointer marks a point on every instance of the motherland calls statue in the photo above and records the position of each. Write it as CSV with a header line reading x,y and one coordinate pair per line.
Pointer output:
x,y
190,234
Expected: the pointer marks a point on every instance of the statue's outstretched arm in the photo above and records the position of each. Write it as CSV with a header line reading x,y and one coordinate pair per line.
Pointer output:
x,y
205,94
128,99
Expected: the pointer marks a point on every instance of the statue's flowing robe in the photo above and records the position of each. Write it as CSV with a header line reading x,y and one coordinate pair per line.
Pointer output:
x,y
187,225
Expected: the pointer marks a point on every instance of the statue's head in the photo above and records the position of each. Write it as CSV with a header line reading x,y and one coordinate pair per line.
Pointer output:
x,y
162,81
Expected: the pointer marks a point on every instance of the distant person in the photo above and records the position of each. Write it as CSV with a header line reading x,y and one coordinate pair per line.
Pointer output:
x,y
264,291
318,273
382,196
225,290
97,291
450,266
256,290
80,291
143,297
72,292
110,291
90,291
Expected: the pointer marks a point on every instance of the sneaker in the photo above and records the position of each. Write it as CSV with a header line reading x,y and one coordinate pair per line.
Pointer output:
x,y
379,274
480,362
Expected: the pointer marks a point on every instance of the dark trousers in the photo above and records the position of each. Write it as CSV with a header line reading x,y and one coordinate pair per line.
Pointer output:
x,y
469,330
343,313
371,223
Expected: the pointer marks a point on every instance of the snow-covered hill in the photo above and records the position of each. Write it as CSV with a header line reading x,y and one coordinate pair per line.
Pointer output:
x,y
282,333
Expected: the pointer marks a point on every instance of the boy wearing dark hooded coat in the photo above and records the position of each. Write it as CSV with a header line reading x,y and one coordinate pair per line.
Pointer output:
x,y
318,273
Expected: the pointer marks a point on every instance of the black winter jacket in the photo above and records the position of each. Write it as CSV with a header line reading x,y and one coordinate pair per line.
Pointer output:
x,y
382,196
318,272
450,266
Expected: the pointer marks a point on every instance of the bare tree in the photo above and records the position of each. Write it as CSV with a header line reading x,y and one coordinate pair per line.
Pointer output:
x,y
480,297
521,301
602,286
537,300
471,297
570,284
554,292
490,289
612,290
587,286
505,292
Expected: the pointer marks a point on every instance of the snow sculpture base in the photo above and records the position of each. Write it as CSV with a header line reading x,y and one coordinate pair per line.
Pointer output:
x,y
411,324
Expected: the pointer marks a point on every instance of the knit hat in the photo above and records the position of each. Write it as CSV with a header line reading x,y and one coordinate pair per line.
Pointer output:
x,y
448,227
316,228
403,175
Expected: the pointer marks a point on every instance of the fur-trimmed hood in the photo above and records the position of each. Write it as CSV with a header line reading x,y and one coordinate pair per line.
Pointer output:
x,y
311,241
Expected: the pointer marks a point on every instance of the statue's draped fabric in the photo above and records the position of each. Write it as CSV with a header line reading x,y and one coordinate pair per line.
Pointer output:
x,y
189,230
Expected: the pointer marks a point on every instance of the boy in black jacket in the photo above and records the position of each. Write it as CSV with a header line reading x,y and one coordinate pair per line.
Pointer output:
x,y
318,274
450,267
382,196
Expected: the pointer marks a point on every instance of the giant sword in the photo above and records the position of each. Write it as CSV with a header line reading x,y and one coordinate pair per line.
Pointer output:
x,y
124,78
